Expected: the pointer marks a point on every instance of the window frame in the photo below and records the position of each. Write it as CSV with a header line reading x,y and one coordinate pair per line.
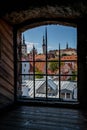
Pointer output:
x,y
46,61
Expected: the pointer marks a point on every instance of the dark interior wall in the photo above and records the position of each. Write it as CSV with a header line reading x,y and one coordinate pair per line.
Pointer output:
x,y
6,65
82,62
38,12
18,49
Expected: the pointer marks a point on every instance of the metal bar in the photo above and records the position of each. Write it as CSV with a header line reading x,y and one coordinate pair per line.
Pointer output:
x,y
59,72
34,69
46,61
52,74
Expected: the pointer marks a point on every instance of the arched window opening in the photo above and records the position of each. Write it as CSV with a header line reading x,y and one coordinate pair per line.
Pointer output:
x,y
49,63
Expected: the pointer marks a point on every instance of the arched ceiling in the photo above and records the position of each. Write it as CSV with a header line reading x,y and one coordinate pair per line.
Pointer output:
x,y
29,13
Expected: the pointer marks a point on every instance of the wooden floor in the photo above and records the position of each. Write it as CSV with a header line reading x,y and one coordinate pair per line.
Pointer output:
x,y
43,118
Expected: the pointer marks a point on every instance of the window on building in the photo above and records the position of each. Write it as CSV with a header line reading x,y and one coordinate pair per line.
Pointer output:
x,y
68,95
62,95
51,59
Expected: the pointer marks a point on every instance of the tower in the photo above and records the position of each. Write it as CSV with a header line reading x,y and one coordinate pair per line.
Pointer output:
x,y
44,46
24,47
67,45
23,40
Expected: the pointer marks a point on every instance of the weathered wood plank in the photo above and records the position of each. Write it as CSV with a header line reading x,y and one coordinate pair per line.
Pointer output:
x,y
3,100
6,43
7,85
40,118
5,34
6,64
7,61
7,77
7,27
5,68
8,53
6,93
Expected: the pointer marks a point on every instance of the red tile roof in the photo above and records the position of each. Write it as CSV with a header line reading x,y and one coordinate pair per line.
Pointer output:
x,y
72,57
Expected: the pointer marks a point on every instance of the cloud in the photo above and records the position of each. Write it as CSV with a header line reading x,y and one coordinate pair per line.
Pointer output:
x,y
30,45
36,45
26,42
50,47
39,49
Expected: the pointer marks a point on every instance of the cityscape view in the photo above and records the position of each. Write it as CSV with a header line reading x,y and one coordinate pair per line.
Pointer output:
x,y
49,68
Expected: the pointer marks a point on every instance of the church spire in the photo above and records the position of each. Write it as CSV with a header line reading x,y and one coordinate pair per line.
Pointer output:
x,y
43,41
44,46
67,45
23,40
46,36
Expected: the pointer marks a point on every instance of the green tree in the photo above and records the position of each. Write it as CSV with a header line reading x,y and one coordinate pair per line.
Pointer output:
x,y
39,74
74,76
53,66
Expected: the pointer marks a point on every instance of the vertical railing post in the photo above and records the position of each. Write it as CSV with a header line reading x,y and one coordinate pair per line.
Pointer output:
x,y
59,72
46,63
34,69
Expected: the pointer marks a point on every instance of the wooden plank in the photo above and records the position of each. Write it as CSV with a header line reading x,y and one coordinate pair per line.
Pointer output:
x,y
6,85
7,27
6,43
5,34
32,118
6,64
4,67
7,61
7,52
6,76
6,93
3,99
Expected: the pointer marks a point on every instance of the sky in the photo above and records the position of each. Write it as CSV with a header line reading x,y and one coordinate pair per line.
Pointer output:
x,y
56,34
